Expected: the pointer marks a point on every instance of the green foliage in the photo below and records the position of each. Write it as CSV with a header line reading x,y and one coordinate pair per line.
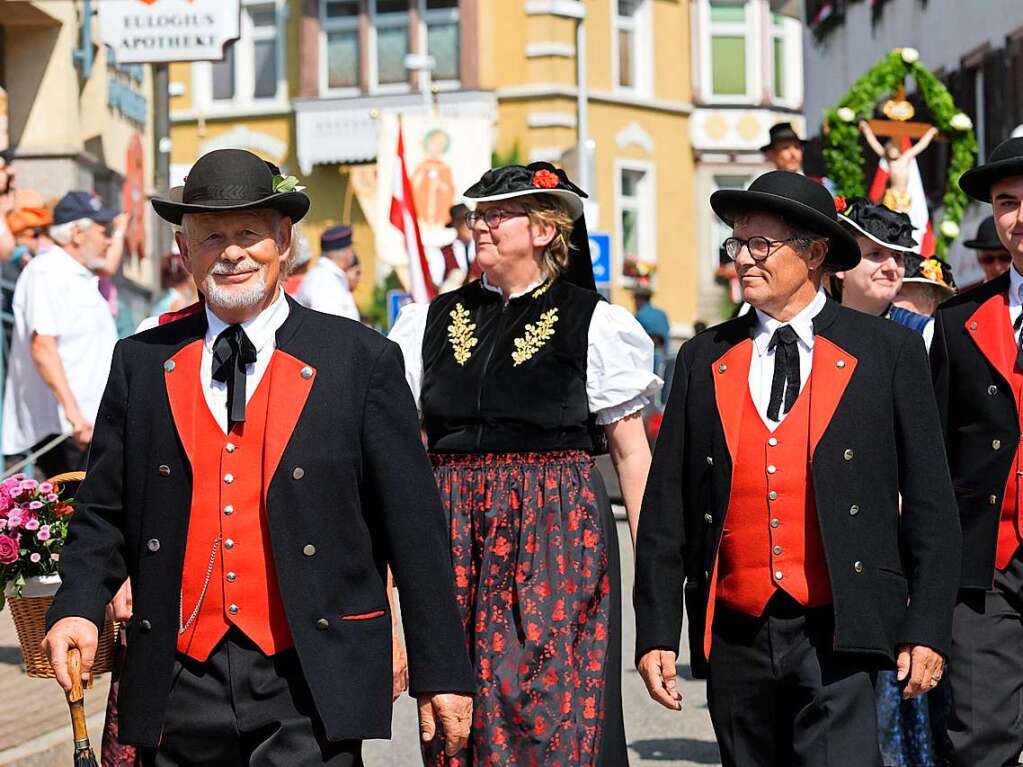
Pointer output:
x,y
513,156
844,156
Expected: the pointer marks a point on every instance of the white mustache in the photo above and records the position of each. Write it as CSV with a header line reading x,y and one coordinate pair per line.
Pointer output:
x,y
224,268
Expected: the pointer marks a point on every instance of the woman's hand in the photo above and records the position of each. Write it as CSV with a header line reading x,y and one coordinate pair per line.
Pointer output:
x,y
399,666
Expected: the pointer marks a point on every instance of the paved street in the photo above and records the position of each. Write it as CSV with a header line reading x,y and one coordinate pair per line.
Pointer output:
x,y
657,737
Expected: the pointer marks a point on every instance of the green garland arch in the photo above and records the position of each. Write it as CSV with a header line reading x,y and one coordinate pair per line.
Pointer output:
x,y
842,151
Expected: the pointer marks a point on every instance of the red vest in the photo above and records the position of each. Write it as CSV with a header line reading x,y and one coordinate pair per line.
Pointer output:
x,y
771,538
990,329
229,502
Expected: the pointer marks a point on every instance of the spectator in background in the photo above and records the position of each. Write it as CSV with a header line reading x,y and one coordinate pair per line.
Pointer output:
x,y
63,340
992,256
354,274
784,149
301,258
28,225
653,320
325,288
178,286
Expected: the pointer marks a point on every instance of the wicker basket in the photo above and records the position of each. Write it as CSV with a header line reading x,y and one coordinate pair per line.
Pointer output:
x,y
29,615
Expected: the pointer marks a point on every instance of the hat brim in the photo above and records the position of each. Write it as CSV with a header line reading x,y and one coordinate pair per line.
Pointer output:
x,y
983,245
294,205
948,290
843,250
795,139
882,243
573,201
977,182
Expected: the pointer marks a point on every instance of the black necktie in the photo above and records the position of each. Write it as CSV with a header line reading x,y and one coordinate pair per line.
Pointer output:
x,y
1019,341
232,352
786,372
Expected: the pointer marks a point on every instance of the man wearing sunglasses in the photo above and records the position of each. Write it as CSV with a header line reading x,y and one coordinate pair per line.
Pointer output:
x,y
992,256
772,510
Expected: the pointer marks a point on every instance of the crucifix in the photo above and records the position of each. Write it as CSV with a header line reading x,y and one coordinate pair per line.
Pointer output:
x,y
897,128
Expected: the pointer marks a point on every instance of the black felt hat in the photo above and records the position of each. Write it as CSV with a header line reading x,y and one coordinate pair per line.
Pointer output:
x,y
231,180
456,212
986,237
1005,161
800,201
930,271
519,180
881,224
512,181
779,134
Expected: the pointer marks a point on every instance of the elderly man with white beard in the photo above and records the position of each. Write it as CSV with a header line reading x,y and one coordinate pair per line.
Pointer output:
x,y
255,469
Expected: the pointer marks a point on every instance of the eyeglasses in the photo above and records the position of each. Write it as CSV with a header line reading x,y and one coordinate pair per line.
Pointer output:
x,y
991,258
759,247
492,217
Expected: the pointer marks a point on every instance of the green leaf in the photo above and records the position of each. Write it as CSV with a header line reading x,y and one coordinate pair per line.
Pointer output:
x,y
285,183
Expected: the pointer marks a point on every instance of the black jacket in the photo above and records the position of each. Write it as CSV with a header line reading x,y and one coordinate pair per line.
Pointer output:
x,y
883,438
366,498
972,357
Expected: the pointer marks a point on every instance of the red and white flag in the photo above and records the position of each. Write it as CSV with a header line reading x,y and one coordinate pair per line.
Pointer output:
x,y
403,217
923,232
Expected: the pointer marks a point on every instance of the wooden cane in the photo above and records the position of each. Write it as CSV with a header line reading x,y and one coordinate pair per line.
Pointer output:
x,y
76,702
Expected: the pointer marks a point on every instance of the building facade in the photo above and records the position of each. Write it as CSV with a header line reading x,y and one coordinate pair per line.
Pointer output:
x,y
747,75
310,79
975,48
77,120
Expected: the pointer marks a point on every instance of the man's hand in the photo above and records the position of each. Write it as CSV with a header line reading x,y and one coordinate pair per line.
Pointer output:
x,y
921,666
119,610
399,665
66,633
657,668
81,429
453,711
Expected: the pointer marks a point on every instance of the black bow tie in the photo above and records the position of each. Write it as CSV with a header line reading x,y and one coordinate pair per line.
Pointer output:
x,y
1019,341
786,372
232,352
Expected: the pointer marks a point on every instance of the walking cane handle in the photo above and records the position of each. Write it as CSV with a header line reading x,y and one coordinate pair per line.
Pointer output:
x,y
76,696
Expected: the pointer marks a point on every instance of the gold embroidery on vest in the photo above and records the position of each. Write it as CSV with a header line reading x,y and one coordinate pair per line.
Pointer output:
x,y
536,336
460,334
542,289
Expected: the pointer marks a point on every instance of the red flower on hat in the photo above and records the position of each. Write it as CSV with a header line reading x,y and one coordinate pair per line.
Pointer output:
x,y
545,179
840,204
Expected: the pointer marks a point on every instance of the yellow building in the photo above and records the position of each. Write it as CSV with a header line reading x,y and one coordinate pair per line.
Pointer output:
x,y
307,81
77,121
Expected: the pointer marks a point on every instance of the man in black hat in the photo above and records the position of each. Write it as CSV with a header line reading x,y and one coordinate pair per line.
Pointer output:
x,y
255,469
978,377
784,149
992,256
773,504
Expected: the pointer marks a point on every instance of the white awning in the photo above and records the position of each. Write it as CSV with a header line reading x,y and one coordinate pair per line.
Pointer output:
x,y
344,130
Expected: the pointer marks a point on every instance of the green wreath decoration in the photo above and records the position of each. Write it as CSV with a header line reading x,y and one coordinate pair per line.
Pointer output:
x,y
844,157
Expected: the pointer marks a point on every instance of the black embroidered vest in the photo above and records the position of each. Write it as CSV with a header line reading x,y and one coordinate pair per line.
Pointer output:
x,y
508,377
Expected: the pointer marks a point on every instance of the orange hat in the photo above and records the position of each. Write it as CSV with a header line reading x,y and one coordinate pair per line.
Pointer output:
x,y
28,218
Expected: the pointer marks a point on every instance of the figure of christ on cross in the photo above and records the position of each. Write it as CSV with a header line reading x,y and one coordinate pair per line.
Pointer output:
x,y
897,196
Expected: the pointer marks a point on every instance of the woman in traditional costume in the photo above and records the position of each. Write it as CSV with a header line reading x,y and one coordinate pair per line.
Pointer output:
x,y
521,377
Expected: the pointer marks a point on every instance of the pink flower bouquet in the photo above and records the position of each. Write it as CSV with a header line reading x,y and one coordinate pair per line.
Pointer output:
x,y
33,525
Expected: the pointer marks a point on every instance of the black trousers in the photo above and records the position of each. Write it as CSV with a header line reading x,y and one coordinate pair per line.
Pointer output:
x,y
780,697
986,672
242,708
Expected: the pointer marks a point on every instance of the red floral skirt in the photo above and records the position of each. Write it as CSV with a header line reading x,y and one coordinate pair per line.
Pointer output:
x,y
535,556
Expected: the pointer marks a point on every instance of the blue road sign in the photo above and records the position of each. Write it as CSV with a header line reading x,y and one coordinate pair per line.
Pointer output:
x,y
395,300
600,255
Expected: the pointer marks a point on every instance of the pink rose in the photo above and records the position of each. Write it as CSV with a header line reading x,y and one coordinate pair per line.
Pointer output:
x,y
34,557
8,550
44,533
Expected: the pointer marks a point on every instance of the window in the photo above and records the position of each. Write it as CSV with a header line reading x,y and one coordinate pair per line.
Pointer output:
x,y
778,55
635,216
252,70
728,48
387,42
632,44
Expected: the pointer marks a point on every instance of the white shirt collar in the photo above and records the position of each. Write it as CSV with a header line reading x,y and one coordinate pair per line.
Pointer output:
x,y
71,264
1015,288
802,324
533,286
261,329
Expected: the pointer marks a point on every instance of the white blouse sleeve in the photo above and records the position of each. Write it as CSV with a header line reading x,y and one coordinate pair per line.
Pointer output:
x,y
620,376
408,332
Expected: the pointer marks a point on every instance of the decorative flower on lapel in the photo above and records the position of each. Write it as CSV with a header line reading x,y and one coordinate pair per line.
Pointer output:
x,y
461,334
536,336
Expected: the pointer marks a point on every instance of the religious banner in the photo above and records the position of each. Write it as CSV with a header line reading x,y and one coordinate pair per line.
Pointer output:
x,y
444,156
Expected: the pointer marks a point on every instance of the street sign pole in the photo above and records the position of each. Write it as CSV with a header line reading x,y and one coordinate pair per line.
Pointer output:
x,y
162,147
